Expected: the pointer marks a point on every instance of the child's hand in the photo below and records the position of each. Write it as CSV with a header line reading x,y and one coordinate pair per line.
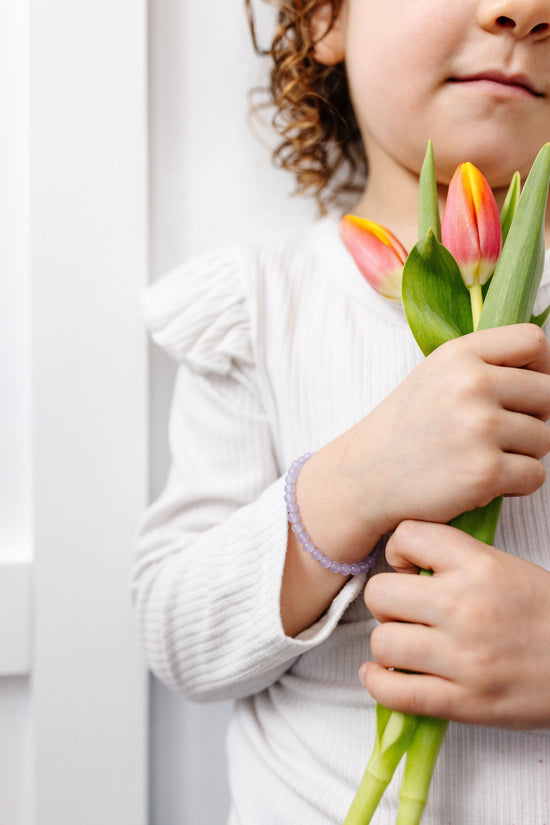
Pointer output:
x,y
476,634
467,425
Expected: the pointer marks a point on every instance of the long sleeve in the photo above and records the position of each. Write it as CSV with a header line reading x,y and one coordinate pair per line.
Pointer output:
x,y
212,547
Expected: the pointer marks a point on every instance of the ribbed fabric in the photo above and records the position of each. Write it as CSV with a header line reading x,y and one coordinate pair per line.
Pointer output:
x,y
280,350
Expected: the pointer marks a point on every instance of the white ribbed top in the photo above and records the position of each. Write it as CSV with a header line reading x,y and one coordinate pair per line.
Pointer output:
x,y
280,350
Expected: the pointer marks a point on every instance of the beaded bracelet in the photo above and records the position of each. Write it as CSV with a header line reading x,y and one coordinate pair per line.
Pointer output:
x,y
304,539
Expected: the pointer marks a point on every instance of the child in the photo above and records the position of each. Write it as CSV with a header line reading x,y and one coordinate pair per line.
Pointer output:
x,y
287,350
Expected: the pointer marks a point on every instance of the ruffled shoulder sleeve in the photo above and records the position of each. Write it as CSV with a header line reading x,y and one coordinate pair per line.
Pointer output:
x,y
199,314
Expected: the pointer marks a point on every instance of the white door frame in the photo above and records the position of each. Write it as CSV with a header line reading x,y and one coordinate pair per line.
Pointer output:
x,y
82,232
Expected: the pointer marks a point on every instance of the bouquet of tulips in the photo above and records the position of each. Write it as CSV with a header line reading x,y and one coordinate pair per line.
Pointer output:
x,y
474,269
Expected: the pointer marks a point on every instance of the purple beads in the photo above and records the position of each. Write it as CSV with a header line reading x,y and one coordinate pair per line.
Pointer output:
x,y
302,536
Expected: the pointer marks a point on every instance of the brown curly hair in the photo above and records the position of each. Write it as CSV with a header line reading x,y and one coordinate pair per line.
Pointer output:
x,y
321,143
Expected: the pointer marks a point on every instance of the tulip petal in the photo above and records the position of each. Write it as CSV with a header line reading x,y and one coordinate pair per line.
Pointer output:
x,y
379,256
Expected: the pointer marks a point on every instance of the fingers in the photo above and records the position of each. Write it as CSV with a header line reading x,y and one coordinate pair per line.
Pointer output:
x,y
430,546
504,399
484,659
505,459
401,598
521,475
413,648
523,434
519,345
412,693
522,390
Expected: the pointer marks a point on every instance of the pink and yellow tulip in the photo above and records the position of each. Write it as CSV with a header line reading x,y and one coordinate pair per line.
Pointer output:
x,y
471,230
377,252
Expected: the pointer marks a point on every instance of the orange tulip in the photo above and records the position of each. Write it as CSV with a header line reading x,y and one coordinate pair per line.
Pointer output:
x,y
377,252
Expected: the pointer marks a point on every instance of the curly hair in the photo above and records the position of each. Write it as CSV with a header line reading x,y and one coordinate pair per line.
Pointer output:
x,y
321,143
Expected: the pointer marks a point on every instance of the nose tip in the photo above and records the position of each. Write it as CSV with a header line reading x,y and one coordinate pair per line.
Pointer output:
x,y
519,19
522,27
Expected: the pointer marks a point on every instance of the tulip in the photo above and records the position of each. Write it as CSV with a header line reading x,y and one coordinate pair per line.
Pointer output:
x,y
377,252
471,230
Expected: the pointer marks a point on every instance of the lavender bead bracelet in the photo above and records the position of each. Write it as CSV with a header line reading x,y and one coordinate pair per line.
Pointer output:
x,y
304,539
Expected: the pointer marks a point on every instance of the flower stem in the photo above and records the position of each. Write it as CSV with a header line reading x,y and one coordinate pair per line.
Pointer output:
x,y
366,800
476,299
394,734
421,758
480,523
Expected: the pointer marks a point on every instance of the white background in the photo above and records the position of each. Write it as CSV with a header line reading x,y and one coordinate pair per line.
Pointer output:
x,y
73,426
124,148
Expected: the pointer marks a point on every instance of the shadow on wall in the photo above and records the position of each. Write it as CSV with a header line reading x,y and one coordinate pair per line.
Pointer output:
x,y
188,773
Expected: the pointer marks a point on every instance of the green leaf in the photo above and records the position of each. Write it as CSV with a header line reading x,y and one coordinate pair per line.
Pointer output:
x,y
510,205
428,203
485,287
515,282
436,302
541,319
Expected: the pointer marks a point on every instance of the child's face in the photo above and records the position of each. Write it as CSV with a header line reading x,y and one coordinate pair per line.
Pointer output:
x,y
474,77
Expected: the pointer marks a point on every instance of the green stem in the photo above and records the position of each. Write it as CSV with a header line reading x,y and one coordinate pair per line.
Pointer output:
x,y
476,299
480,523
394,734
421,758
365,802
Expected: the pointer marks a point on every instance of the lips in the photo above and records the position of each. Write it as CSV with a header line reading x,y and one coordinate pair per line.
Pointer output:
x,y
512,81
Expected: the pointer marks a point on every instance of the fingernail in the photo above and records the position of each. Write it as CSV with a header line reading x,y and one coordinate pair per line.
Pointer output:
x,y
363,675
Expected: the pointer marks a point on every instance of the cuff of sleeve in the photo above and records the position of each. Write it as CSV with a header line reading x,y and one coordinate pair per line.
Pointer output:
x,y
219,635
290,647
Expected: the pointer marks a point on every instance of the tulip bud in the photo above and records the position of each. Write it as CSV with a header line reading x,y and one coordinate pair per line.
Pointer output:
x,y
470,228
377,252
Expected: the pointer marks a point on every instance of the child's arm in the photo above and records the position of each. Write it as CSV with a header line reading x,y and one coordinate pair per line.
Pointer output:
x,y
467,425
477,631
212,547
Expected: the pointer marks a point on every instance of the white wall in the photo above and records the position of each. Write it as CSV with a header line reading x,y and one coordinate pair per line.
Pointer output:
x,y
211,184
73,428
89,262
73,431
15,420
16,799
15,381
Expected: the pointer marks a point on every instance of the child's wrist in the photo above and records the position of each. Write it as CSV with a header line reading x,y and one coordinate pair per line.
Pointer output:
x,y
331,510
347,568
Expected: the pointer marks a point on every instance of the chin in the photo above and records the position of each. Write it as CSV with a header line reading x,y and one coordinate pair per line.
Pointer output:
x,y
496,159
